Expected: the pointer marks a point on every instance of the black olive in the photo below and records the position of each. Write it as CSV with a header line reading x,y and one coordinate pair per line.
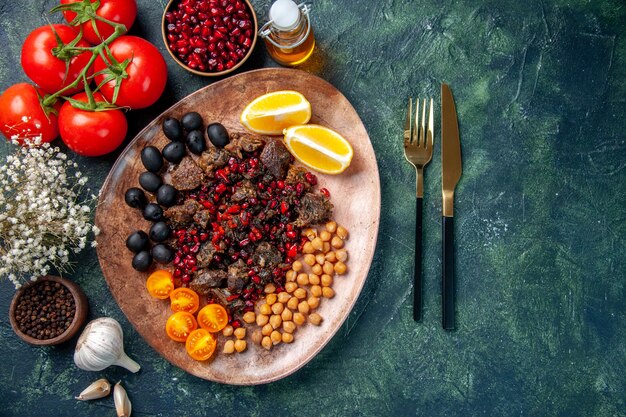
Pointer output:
x,y
160,231
162,253
142,260
196,142
151,158
191,121
166,195
135,197
137,241
218,135
174,152
153,212
172,129
150,181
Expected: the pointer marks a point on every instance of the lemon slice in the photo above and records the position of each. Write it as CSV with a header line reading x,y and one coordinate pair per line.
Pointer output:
x,y
273,112
319,148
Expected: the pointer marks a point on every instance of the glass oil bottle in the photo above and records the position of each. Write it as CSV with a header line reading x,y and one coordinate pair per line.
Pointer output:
x,y
288,35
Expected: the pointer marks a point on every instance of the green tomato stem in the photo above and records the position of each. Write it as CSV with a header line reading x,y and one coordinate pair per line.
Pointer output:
x,y
119,30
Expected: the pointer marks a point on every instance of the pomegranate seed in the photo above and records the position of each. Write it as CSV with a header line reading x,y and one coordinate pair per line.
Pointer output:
x,y
325,192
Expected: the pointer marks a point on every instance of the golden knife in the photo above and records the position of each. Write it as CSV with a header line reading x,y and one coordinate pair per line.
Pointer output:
x,y
451,168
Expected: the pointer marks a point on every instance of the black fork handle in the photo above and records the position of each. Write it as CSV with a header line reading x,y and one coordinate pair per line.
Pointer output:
x,y
447,281
417,272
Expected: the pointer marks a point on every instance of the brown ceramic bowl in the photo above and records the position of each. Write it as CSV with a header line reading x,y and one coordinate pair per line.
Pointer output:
x,y
255,29
82,307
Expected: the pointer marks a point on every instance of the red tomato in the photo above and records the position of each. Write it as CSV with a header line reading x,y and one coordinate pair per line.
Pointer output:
x,y
91,133
42,65
23,117
118,11
147,73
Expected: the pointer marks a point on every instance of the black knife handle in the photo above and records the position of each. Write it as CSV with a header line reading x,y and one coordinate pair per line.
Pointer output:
x,y
447,282
417,272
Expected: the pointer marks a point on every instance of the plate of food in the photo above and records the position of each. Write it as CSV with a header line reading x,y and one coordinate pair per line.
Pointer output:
x,y
232,258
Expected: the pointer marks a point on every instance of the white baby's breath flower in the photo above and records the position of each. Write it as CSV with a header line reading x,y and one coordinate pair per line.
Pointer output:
x,y
42,217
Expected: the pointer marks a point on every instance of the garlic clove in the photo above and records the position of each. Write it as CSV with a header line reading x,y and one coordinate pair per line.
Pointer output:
x,y
123,406
98,389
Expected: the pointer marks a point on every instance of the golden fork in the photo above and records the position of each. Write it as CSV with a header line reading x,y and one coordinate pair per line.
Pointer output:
x,y
418,150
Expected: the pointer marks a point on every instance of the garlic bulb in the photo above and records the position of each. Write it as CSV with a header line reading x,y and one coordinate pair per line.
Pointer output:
x,y
101,345
98,389
123,406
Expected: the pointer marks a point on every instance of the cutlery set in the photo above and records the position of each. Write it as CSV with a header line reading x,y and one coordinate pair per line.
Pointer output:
x,y
418,150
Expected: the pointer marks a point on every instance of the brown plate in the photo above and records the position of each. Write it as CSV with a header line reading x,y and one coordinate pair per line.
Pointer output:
x,y
355,195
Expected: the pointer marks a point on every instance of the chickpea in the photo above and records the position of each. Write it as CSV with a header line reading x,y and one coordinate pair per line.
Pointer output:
x,y
290,276
289,326
287,337
316,291
249,317
228,331
317,269
318,243
299,319
336,242
240,332
320,258
315,319
326,248
331,226
276,321
296,266
328,292
286,315
308,248
265,309
293,303
262,319
269,288
303,307
266,342
309,233
270,299
229,346
342,255
328,268
278,308
267,330
290,286
325,235
240,345
276,337
300,293
340,268
302,279
342,232
327,280
314,279
330,257
283,297
309,259
256,336
313,302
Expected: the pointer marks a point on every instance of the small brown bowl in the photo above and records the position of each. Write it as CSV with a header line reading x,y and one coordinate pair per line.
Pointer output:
x,y
80,300
255,28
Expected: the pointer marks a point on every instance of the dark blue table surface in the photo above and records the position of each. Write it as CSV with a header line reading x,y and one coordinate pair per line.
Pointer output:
x,y
540,222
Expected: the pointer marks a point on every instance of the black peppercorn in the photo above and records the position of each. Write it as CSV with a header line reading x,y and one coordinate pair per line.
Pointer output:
x,y
45,310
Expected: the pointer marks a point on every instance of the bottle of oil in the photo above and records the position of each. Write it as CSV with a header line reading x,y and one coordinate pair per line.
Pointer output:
x,y
288,35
